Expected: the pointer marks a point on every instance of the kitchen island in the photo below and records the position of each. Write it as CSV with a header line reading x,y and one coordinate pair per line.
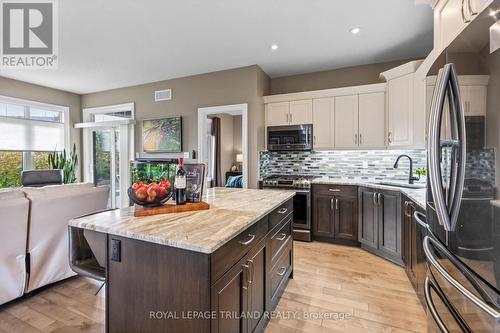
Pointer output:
x,y
218,270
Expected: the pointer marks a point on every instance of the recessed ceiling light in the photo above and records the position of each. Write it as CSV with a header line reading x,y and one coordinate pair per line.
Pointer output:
x,y
355,30
274,47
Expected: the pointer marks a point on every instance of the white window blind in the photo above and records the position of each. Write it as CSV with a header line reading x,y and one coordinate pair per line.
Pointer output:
x,y
35,129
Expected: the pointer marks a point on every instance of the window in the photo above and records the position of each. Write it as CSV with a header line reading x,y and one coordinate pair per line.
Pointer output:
x,y
28,132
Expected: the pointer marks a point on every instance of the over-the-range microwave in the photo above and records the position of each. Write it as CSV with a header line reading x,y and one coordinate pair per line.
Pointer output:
x,y
291,138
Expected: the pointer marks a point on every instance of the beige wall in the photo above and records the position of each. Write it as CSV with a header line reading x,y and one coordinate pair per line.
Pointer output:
x,y
24,90
235,86
336,78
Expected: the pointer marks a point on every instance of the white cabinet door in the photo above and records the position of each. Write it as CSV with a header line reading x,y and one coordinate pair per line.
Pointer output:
x,y
372,120
400,111
477,6
301,112
474,100
346,121
450,19
323,123
278,114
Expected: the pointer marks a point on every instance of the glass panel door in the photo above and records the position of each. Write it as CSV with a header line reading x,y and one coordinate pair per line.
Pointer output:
x,y
105,162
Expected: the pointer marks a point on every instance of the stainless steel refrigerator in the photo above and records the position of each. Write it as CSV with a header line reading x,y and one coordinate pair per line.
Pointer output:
x,y
462,247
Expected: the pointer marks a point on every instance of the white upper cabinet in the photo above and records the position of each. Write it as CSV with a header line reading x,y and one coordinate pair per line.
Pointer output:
x,y
323,123
372,120
474,100
278,114
400,111
301,112
346,121
348,117
477,6
451,17
402,116
289,113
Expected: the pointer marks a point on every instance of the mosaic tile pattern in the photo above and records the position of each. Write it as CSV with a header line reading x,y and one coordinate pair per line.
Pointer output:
x,y
370,165
481,164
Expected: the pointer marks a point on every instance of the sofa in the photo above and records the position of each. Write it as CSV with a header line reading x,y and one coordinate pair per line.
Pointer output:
x,y
14,209
35,233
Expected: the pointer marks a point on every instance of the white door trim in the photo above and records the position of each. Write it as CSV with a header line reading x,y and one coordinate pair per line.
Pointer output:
x,y
234,109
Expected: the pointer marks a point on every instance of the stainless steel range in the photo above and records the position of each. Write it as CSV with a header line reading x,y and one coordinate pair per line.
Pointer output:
x,y
301,202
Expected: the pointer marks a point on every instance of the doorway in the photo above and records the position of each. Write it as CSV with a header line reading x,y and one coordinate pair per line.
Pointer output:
x,y
108,150
206,144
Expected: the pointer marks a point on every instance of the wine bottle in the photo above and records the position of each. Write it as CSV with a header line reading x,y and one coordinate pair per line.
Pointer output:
x,y
180,184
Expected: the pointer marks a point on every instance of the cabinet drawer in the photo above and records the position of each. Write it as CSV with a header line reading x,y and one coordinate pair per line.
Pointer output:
x,y
280,271
278,214
280,238
337,190
225,257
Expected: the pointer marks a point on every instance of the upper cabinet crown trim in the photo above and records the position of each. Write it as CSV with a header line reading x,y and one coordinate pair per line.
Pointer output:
x,y
464,80
408,68
364,89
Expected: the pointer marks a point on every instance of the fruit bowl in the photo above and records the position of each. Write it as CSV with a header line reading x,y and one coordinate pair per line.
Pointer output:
x,y
150,195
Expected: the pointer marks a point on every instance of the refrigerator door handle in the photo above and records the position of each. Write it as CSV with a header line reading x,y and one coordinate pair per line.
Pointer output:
x,y
447,206
459,152
420,218
431,307
457,285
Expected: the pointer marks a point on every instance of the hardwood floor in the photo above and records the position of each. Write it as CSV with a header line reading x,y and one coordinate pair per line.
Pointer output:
x,y
372,295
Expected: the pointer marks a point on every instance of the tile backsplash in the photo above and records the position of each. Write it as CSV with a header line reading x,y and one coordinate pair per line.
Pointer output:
x,y
342,164
481,164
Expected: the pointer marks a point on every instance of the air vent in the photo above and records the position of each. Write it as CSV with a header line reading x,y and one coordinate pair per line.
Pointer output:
x,y
163,95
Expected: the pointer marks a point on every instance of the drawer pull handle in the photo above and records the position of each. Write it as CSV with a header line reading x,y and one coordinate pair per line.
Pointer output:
x,y
252,237
334,190
281,237
282,211
282,271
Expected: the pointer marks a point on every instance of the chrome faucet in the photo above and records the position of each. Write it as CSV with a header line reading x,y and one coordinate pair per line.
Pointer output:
x,y
411,178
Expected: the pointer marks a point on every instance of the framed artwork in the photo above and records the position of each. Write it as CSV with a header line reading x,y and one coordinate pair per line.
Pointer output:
x,y
162,135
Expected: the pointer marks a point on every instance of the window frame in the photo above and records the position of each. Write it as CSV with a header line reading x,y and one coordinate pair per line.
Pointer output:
x,y
27,104
28,162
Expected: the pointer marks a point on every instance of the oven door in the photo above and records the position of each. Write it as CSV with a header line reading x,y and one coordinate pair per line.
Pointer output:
x,y
302,210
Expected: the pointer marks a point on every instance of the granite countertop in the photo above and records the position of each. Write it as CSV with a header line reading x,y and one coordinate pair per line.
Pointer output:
x,y
417,195
231,211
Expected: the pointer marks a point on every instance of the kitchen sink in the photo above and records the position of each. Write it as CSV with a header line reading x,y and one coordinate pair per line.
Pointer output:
x,y
405,185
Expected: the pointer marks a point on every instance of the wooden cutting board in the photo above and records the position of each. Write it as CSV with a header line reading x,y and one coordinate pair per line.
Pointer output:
x,y
170,208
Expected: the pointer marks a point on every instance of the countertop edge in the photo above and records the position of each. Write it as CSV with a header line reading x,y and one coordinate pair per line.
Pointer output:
x,y
406,191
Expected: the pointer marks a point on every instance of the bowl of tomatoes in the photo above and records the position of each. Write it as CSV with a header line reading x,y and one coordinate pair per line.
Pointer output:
x,y
152,194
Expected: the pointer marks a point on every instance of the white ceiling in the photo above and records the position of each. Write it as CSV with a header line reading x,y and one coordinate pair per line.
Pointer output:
x,y
106,44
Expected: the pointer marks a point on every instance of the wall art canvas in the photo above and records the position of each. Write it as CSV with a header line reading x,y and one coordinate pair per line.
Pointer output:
x,y
162,135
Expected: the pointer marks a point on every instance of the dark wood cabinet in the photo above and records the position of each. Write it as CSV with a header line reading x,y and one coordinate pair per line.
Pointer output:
x,y
230,295
368,217
235,286
380,223
390,223
413,251
323,215
335,217
256,300
346,218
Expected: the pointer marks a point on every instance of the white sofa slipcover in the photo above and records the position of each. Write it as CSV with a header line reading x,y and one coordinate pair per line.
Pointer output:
x,y
51,209
14,208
